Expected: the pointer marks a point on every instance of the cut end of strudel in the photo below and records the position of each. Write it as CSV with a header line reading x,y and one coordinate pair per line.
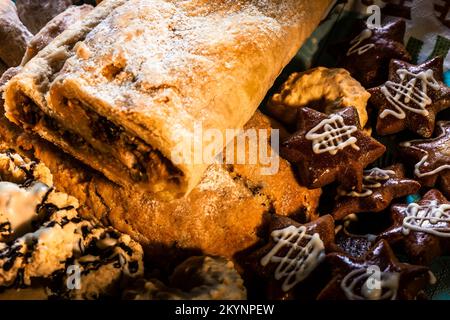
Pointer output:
x,y
126,87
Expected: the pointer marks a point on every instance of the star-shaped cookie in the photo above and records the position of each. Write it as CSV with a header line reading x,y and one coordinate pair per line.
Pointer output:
x,y
293,253
380,187
423,228
431,158
367,56
411,98
332,147
378,275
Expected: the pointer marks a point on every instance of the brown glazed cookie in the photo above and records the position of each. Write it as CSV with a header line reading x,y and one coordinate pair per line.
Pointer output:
x,y
380,187
423,228
431,158
411,98
54,28
378,275
352,244
328,148
293,254
367,56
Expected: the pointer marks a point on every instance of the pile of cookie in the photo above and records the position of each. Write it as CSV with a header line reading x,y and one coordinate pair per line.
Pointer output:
x,y
384,189
49,251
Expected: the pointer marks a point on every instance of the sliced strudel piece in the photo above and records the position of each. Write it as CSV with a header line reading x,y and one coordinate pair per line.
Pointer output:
x,y
127,98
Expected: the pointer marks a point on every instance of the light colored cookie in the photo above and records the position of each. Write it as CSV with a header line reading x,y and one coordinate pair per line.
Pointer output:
x,y
319,88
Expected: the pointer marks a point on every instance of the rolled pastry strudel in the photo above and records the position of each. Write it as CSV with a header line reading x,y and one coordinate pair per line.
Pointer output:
x,y
143,74
221,216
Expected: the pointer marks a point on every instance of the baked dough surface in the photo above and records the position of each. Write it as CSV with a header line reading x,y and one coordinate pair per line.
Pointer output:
x,y
221,216
159,70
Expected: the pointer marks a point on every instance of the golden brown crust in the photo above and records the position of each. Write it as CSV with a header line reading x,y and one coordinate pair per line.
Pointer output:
x,y
13,34
221,215
319,88
200,73
281,188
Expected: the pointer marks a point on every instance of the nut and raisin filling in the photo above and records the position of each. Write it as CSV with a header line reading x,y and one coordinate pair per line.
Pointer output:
x,y
142,161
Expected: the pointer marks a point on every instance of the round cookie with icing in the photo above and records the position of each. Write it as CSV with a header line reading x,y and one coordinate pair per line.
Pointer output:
x,y
197,278
46,246
323,89
411,98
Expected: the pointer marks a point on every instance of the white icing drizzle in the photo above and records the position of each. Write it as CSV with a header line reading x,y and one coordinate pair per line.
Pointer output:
x,y
356,43
371,180
298,262
335,136
410,92
408,144
386,282
429,218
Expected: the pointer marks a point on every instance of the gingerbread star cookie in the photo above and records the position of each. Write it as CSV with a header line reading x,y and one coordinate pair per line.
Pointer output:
x,y
367,56
378,275
380,187
423,228
431,158
332,147
411,98
293,253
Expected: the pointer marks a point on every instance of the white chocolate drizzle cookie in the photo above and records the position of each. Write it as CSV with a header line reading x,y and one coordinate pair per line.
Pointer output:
x,y
18,207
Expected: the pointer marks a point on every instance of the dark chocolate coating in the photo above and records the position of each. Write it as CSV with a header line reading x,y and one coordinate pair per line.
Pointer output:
x,y
371,67
346,166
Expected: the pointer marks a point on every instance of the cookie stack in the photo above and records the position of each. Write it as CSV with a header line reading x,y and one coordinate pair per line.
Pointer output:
x,y
372,214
